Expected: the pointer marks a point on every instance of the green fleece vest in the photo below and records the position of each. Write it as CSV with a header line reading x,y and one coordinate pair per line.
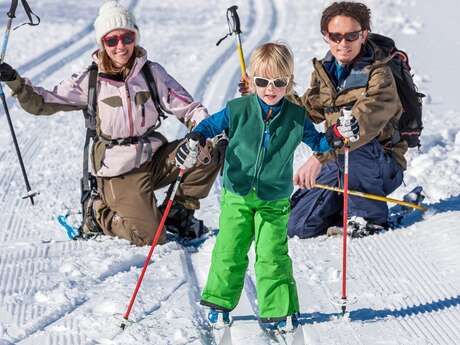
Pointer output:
x,y
248,165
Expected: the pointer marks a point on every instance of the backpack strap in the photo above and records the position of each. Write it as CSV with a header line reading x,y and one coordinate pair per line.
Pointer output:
x,y
88,182
152,85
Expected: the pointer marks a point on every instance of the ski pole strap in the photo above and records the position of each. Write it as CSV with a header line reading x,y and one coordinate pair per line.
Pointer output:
x,y
29,13
12,12
233,22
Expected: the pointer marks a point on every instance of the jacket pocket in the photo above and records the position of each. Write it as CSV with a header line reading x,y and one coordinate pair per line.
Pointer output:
x,y
114,101
98,154
140,99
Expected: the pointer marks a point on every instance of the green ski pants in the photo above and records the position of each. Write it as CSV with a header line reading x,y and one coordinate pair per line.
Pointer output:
x,y
242,220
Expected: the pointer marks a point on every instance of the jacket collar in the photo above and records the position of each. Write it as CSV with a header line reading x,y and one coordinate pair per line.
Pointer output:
x,y
275,108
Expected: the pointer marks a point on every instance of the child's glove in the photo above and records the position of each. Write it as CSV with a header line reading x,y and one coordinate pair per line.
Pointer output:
x,y
344,128
187,153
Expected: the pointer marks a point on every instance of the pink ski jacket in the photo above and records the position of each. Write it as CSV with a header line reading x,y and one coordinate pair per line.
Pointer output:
x,y
124,109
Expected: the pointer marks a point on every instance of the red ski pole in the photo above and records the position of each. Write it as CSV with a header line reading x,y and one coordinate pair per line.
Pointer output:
x,y
152,247
347,115
345,221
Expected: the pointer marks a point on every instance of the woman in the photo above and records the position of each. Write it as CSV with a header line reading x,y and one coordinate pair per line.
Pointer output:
x,y
129,159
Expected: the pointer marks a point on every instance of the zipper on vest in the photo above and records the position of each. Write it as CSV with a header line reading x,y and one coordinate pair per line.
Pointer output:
x,y
266,138
262,150
130,113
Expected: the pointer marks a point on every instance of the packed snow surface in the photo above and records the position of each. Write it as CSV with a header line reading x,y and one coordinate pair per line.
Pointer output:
x,y
406,282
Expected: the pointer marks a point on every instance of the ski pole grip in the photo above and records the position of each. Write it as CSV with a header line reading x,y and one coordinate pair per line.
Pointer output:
x,y
235,19
348,116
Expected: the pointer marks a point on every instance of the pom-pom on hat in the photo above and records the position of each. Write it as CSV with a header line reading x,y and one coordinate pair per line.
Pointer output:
x,y
113,16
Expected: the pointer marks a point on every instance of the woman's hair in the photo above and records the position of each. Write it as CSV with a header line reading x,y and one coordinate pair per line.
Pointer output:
x,y
273,60
356,10
106,64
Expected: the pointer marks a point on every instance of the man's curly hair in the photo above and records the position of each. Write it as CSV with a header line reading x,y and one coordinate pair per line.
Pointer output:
x,y
356,10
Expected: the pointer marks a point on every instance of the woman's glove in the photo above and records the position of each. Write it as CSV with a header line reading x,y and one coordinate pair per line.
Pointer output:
x,y
7,73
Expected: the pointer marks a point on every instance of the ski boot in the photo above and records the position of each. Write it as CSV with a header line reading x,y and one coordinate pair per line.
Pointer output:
x,y
287,325
182,224
90,228
358,227
219,318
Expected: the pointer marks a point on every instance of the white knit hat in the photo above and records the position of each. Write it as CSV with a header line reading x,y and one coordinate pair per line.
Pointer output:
x,y
113,16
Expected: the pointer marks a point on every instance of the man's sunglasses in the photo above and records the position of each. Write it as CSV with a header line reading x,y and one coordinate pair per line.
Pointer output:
x,y
126,38
278,82
349,36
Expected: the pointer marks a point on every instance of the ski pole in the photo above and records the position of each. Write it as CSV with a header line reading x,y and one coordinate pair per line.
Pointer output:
x,y
347,116
155,240
233,21
372,197
12,14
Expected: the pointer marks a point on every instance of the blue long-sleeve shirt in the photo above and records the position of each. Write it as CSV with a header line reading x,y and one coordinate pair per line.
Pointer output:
x,y
219,122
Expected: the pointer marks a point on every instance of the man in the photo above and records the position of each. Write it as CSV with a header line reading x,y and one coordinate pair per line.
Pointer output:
x,y
352,74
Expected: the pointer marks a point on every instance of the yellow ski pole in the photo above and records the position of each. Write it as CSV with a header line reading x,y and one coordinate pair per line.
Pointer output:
x,y
233,21
372,197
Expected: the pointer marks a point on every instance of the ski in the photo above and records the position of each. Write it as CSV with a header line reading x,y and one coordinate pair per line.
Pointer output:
x,y
295,337
195,242
71,231
223,336
399,216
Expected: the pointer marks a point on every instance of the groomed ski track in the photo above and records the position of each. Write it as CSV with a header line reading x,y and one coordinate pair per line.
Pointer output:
x,y
55,291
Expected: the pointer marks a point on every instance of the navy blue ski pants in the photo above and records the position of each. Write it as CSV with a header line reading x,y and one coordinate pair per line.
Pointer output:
x,y
371,170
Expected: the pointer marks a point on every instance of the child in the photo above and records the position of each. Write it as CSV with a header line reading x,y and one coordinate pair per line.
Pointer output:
x,y
263,129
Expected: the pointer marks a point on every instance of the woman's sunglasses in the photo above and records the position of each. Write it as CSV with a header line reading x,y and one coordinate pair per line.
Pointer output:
x,y
264,82
349,36
126,38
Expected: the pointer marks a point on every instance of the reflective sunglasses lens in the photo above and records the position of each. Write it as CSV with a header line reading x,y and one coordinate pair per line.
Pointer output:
x,y
261,82
352,36
280,82
128,38
111,41
335,37
349,36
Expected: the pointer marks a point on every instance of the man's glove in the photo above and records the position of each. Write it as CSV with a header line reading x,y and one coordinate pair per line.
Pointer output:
x,y
7,73
187,153
344,128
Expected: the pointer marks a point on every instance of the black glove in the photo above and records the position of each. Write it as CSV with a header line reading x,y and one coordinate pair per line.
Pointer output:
x,y
7,73
187,153
197,136
342,130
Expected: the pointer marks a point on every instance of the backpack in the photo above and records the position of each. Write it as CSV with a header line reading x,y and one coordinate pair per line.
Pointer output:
x,y
410,124
88,182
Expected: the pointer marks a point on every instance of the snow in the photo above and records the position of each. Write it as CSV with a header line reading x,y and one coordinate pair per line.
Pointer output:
x,y
54,291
